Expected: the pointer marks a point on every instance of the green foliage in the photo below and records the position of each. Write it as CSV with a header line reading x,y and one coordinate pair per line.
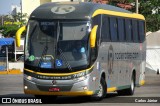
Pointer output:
x,y
151,10
11,29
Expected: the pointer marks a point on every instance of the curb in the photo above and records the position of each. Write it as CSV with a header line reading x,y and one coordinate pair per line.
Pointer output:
x,y
10,72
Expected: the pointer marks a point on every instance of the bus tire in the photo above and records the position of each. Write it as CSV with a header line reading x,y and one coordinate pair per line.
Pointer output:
x,y
102,90
130,90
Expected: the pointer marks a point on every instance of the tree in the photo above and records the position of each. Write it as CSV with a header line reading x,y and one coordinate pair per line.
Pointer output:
x,y
20,18
125,4
151,10
9,30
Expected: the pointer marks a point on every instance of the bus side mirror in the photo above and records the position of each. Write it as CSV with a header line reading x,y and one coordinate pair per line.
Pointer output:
x,y
18,35
93,36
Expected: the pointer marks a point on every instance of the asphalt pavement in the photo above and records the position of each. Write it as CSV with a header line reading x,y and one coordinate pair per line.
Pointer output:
x,y
12,86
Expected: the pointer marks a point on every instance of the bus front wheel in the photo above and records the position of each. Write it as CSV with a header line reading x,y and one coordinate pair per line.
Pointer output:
x,y
102,90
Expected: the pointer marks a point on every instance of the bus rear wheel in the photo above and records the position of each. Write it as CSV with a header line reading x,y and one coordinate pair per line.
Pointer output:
x,y
102,90
130,90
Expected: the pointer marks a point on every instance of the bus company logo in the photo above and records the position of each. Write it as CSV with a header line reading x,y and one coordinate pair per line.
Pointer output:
x,y
6,100
64,9
54,82
110,59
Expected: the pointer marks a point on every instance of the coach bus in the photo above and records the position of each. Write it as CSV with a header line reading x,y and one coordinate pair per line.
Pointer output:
x,y
83,49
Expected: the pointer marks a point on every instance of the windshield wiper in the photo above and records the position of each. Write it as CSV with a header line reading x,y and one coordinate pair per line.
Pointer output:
x,y
64,58
60,51
58,31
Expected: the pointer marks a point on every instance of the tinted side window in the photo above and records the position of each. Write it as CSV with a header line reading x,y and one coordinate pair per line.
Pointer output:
x,y
135,30
113,29
128,30
141,30
105,29
121,29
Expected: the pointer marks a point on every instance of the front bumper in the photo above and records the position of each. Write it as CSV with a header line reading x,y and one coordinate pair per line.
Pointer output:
x,y
67,87
69,93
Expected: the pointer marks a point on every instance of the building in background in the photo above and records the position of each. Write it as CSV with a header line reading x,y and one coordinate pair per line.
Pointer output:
x,y
15,9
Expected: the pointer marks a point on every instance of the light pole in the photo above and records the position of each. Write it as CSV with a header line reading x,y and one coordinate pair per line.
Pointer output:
x,y
137,7
21,11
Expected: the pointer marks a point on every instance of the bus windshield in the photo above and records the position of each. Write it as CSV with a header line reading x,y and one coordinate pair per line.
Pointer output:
x,y
57,45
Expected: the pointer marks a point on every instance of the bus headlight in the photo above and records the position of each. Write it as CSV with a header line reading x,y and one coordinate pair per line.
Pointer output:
x,y
85,88
81,78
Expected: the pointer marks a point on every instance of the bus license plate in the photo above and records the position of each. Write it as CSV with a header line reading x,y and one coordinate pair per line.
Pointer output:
x,y
54,89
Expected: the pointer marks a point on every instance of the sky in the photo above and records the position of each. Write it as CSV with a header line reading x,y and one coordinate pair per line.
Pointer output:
x,y
5,6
